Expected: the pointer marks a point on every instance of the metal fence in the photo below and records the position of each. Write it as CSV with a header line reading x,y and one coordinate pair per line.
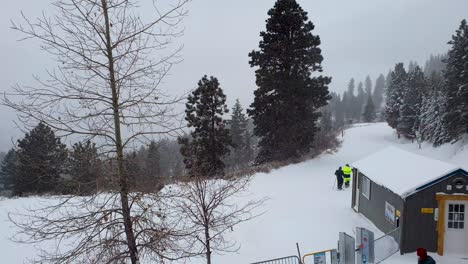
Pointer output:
x,y
284,260
386,245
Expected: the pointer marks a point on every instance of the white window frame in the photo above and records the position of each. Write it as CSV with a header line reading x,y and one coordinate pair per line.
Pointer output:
x,y
366,187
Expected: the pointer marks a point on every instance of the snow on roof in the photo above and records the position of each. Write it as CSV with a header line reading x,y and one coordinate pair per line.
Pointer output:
x,y
401,171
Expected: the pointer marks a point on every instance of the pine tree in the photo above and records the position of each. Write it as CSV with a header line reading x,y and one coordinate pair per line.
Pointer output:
x,y
395,89
360,101
210,138
349,100
410,108
435,64
377,96
432,111
411,66
8,171
134,171
456,75
152,163
239,155
85,167
369,110
41,158
368,86
285,108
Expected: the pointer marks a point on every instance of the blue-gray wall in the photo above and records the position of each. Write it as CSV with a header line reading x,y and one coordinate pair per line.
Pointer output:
x,y
421,229
374,207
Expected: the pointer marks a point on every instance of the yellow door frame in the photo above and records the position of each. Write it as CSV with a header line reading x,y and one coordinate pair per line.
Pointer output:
x,y
441,200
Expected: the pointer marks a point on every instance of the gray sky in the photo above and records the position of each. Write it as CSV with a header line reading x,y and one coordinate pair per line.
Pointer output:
x,y
358,38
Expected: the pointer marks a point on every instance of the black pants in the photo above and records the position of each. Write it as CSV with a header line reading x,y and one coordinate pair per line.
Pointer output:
x,y
340,181
347,180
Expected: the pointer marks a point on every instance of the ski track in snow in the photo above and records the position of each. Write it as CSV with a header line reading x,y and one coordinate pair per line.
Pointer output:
x,y
302,205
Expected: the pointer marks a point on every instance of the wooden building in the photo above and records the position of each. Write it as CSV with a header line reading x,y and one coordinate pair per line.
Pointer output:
x,y
422,200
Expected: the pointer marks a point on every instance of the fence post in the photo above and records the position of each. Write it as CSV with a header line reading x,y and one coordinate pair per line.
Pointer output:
x,y
299,252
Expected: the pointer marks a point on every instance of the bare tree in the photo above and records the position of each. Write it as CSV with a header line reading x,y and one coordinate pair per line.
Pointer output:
x,y
106,87
212,208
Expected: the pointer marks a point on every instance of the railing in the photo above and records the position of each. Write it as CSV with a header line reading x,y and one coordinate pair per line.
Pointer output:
x,y
386,245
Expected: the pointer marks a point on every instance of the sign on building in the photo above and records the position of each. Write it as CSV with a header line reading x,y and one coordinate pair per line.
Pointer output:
x,y
320,258
390,213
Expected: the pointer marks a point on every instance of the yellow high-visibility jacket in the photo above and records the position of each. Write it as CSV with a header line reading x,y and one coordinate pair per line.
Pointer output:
x,y
347,170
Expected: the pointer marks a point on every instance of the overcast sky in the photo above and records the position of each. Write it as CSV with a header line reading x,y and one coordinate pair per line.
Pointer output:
x,y
358,38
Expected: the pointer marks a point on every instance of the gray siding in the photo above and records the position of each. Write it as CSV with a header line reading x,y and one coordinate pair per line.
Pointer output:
x,y
421,229
374,207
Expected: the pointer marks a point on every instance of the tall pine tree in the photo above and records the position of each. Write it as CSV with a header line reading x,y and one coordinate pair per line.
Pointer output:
x,y
241,153
152,163
285,108
41,158
210,138
85,167
456,75
368,115
395,90
8,171
432,111
360,101
368,86
411,103
378,94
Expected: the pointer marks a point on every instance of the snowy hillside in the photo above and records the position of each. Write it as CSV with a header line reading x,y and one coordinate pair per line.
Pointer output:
x,y
302,207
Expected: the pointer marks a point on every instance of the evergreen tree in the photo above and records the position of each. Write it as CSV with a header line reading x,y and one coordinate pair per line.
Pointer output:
x,y
456,75
337,110
369,110
435,64
349,100
368,86
411,66
210,138
388,80
239,155
41,158
85,167
360,101
8,171
377,96
285,108
134,171
432,111
152,163
395,89
410,108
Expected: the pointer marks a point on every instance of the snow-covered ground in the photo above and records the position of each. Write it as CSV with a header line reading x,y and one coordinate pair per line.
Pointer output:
x,y
303,207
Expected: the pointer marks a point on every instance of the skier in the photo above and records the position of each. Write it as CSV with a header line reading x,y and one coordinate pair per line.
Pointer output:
x,y
347,175
339,178
423,257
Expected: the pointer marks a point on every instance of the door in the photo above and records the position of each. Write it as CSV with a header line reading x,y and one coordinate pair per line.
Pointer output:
x,y
358,192
456,231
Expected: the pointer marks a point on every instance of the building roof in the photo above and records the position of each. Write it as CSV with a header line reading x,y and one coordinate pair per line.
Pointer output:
x,y
401,171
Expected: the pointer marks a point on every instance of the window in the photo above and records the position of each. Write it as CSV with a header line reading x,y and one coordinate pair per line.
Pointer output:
x,y
456,216
366,187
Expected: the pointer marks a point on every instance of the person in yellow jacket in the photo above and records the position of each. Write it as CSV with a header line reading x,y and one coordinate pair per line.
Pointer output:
x,y
347,174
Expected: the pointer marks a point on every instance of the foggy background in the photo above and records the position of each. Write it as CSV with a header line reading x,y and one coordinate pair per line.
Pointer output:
x,y
358,38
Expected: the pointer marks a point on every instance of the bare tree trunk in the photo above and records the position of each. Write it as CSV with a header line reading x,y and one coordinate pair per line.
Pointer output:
x,y
106,88
207,245
122,176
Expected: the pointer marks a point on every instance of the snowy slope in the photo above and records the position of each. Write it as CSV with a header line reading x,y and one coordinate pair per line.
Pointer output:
x,y
302,207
